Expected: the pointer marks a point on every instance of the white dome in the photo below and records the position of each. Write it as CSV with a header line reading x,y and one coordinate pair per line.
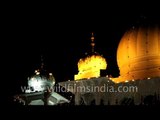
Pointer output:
x,y
40,83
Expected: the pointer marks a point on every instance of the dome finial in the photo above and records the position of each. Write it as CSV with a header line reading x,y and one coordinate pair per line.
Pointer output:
x,y
42,62
92,42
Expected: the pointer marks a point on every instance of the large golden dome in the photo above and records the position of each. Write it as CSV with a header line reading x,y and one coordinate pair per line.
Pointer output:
x,y
138,54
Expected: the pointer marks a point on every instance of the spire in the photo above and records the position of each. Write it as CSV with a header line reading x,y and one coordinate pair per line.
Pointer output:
x,y
92,42
41,69
42,62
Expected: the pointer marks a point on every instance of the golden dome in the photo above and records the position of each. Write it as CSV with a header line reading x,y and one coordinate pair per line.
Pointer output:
x,y
91,65
138,54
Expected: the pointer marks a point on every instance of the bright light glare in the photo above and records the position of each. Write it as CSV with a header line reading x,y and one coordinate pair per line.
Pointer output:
x,y
50,74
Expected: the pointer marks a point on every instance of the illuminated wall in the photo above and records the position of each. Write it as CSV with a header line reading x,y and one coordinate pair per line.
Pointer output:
x,y
90,67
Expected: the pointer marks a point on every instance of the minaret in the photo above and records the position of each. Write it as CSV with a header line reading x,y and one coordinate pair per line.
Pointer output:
x,y
92,42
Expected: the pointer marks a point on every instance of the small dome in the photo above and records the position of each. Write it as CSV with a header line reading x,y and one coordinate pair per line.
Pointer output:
x,y
90,66
91,62
138,54
40,82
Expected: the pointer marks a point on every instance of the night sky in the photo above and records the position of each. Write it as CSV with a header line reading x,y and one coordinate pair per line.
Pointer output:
x,y
62,36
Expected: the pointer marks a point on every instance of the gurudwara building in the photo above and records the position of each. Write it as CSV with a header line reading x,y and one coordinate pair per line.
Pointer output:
x,y
138,58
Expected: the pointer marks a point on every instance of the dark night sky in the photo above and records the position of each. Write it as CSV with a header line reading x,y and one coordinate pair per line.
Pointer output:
x,y
63,36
